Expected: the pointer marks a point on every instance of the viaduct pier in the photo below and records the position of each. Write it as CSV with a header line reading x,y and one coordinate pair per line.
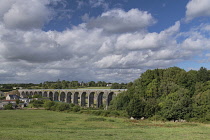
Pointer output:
x,y
83,97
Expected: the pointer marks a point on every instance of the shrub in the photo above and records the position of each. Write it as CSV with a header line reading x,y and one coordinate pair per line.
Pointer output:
x,y
37,96
37,103
62,107
8,107
76,108
48,105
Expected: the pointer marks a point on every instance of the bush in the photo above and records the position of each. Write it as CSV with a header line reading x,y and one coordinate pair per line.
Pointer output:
x,y
2,98
62,107
37,96
37,103
48,105
8,107
76,108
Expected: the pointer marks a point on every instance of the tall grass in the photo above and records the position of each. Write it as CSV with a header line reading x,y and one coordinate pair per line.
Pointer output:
x,y
44,125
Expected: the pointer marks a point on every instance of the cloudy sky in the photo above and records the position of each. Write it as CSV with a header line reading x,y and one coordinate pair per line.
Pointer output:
x,y
100,40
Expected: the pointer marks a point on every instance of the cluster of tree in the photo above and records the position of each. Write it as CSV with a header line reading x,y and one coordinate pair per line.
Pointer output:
x,y
168,94
62,85
59,106
120,86
75,84
71,84
10,87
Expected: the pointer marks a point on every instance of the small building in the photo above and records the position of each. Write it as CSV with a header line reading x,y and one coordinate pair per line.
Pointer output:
x,y
25,100
12,97
109,84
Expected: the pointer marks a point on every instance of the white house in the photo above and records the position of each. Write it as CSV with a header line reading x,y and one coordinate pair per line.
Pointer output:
x,y
12,97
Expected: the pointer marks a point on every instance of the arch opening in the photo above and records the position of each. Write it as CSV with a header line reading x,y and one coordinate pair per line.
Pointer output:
x,y
68,100
100,100
56,94
31,93
83,99
62,96
27,94
35,93
45,94
23,94
51,96
40,93
91,99
76,97
109,98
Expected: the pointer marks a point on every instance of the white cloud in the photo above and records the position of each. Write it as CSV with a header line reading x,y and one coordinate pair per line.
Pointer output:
x,y
115,46
120,21
25,15
99,3
197,8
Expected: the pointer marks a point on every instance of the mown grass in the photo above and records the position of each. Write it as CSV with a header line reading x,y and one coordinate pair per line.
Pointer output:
x,y
44,125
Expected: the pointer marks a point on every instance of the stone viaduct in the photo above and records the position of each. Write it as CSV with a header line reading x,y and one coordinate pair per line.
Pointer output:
x,y
83,97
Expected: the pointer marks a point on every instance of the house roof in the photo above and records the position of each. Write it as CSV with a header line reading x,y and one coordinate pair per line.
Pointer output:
x,y
14,96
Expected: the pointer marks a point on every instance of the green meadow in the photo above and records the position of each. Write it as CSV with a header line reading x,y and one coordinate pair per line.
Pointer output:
x,y
50,125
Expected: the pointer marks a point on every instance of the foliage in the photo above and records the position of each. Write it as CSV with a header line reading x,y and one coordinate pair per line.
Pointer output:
x,y
136,107
37,96
48,105
63,85
2,98
37,103
76,108
62,107
171,93
8,107
17,101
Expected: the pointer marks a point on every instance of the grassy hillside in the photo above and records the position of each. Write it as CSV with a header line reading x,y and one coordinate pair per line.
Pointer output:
x,y
41,124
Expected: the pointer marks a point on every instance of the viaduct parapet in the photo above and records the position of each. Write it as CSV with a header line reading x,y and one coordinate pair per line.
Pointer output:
x,y
83,97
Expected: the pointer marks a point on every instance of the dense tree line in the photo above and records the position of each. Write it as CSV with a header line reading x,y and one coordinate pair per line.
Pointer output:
x,y
168,94
62,85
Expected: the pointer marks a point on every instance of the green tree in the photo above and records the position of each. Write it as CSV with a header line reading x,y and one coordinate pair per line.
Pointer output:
x,y
136,107
201,105
202,75
177,105
48,105
37,103
8,107
62,107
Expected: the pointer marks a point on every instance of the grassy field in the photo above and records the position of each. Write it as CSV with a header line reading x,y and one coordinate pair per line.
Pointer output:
x,y
44,125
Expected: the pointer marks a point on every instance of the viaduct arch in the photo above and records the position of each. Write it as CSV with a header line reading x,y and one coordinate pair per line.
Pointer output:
x,y
83,97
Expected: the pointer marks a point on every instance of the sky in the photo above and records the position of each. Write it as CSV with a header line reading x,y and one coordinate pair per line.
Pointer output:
x,y
100,40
